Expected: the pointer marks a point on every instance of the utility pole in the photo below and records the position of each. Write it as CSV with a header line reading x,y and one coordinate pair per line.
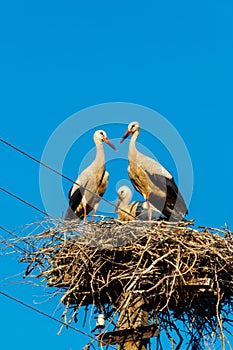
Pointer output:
x,y
133,332
131,316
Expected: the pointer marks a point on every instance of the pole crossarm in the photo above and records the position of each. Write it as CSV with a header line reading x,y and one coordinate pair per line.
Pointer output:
x,y
128,335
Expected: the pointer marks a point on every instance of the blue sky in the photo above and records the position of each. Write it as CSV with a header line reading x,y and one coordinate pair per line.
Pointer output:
x,y
59,57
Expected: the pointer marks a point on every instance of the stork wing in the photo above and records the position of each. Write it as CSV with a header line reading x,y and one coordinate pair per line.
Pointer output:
x,y
95,185
167,189
138,178
151,165
102,181
179,205
75,196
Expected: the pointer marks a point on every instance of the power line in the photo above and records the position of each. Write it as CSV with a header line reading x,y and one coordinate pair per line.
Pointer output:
x,y
53,170
31,307
19,238
24,201
46,214
38,209
10,232
50,317
30,205
12,244
58,173
45,314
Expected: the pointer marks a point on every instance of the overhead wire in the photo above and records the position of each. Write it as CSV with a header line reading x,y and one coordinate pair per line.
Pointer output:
x,y
31,307
48,215
40,210
30,205
12,244
34,309
53,170
58,173
47,315
19,239
24,201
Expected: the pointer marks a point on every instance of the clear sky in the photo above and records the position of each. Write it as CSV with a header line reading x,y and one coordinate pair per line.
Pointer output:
x,y
59,57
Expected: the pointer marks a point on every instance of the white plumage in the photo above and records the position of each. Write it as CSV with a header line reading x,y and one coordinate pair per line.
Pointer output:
x,y
92,180
134,210
152,180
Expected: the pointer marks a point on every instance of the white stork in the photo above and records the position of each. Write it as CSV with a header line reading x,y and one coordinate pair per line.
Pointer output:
x,y
134,210
152,180
91,184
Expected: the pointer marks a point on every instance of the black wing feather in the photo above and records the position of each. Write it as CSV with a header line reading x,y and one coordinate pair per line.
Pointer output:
x,y
173,204
75,199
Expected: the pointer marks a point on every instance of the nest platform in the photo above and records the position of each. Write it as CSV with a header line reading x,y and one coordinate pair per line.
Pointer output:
x,y
183,274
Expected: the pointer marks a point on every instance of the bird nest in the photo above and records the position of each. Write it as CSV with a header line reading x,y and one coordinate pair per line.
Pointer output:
x,y
181,273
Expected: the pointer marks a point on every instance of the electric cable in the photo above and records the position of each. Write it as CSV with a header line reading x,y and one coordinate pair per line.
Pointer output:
x,y
45,314
60,174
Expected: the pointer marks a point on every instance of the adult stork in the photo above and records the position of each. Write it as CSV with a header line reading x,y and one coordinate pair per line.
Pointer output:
x,y
134,210
91,184
152,180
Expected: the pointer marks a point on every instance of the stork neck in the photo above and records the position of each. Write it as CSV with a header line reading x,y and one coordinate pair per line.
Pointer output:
x,y
99,158
132,145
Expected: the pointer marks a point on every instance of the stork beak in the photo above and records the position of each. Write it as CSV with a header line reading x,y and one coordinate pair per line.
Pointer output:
x,y
126,134
106,140
118,202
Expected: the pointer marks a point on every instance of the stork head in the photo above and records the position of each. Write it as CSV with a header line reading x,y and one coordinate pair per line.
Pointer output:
x,y
101,136
132,128
124,196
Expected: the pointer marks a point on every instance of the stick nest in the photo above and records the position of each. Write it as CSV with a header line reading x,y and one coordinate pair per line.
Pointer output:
x,y
182,273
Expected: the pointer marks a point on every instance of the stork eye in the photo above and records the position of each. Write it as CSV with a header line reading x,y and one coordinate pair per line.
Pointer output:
x,y
133,126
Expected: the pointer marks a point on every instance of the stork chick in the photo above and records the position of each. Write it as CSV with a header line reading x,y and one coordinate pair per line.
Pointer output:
x,y
134,210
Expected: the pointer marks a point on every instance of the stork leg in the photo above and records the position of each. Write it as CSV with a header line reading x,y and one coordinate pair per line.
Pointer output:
x,y
93,215
148,205
93,212
85,214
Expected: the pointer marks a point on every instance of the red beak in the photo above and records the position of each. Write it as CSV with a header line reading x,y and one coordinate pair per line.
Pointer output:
x,y
106,140
126,134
